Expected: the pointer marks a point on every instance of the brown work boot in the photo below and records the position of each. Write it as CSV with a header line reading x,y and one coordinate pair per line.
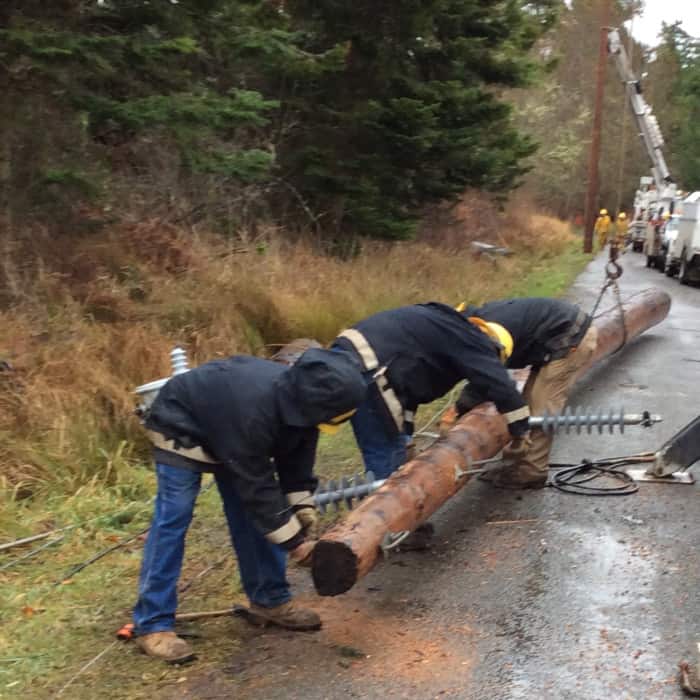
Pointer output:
x,y
516,476
166,646
287,615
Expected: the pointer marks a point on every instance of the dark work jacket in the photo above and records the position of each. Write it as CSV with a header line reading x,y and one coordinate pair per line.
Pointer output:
x,y
428,348
542,329
229,409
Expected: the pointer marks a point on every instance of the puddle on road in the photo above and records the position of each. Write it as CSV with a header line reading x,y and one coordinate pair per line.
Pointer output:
x,y
587,627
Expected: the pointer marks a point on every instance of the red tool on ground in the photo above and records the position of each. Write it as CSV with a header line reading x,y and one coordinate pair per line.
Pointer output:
x,y
126,632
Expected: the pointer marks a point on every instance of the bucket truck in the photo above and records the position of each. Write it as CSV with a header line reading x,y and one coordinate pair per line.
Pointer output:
x,y
656,194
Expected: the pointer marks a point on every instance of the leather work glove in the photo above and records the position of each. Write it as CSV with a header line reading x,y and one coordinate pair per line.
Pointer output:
x,y
309,519
519,447
302,555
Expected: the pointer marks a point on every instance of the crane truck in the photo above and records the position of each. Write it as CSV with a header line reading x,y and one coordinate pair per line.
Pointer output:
x,y
656,194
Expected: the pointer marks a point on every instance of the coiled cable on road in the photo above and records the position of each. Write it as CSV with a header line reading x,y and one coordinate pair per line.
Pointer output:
x,y
577,478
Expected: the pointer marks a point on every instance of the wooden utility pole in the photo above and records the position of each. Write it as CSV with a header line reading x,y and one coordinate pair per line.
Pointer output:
x,y
592,193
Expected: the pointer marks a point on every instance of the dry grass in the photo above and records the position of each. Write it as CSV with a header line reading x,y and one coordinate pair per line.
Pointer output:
x,y
84,321
97,317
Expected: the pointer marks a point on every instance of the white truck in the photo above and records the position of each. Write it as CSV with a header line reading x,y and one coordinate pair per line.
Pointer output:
x,y
683,257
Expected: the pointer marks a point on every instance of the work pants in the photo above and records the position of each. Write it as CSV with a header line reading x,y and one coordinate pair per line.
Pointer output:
x,y
262,565
383,452
548,389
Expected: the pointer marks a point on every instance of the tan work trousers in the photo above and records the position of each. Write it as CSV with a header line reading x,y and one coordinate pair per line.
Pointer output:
x,y
548,389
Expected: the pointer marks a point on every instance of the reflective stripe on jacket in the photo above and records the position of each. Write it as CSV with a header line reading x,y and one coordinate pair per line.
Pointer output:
x,y
428,348
224,415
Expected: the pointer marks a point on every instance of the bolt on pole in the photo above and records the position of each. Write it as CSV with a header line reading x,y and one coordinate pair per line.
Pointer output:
x,y
592,192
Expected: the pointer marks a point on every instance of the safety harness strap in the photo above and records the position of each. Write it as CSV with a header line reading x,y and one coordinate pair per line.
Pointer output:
x,y
195,453
362,347
371,363
568,338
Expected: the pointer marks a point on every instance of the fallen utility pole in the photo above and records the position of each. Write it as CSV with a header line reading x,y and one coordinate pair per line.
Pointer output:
x,y
411,495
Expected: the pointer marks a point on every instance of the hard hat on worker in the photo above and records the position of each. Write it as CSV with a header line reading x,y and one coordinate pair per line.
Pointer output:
x,y
332,426
504,338
497,333
622,215
603,212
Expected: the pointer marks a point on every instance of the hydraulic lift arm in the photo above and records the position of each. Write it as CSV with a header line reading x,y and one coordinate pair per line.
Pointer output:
x,y
645,120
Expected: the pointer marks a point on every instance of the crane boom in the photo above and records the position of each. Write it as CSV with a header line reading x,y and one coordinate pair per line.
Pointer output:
x,y
647,125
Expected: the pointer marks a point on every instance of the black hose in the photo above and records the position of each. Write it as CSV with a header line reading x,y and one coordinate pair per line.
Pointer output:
x,y
576,478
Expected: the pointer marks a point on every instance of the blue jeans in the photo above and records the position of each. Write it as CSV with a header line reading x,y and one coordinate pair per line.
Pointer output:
x,y
382,453
262,564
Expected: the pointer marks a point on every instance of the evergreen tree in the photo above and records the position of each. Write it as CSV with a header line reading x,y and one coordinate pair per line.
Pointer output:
x,y
360,112
410,117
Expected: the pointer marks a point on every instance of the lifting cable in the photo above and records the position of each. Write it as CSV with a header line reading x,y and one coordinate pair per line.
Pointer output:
x,y
613,272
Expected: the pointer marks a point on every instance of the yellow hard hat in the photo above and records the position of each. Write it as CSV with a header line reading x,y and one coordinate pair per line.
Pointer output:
x,y
496,332
603,212
333,425
666,215
622,215
504,338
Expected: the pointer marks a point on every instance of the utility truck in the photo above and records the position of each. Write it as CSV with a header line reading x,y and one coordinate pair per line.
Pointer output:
x,y
683,257
656,194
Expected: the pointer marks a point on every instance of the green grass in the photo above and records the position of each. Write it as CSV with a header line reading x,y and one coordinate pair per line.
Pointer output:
x,y
48,632
551,276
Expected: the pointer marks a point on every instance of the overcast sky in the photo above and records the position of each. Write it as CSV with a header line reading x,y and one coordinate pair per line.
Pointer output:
x,y
647,27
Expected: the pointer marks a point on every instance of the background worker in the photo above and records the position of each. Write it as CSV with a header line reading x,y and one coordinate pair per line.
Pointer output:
x,y
253,423
557,339
416,354
621,230
602,228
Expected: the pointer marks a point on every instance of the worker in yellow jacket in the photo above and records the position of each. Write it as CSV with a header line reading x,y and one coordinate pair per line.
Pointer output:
x,y
621,230
602,228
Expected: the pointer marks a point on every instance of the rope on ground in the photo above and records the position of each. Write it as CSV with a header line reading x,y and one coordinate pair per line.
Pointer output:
x,y
27,540
33,552
84,668
204,572
104,552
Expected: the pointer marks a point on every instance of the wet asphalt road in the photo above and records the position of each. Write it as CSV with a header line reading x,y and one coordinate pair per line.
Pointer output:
x,y
584,598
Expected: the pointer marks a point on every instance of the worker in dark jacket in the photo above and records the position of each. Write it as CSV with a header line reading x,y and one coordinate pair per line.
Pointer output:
x,y
254,423
557,339
416,354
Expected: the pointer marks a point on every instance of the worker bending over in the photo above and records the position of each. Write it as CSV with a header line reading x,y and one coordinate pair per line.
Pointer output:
x,y
417,354
253,423
602,228
557,339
